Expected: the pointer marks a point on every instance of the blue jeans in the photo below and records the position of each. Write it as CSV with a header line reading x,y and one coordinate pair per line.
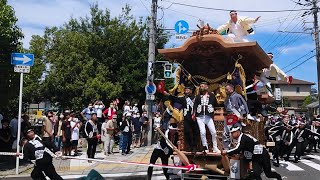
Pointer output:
x,y
125,142
120,140
58,142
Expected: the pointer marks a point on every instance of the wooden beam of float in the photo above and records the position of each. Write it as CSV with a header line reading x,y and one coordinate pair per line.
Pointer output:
x,y
211,56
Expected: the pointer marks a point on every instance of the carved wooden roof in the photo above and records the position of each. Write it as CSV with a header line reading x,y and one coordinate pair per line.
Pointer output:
x,y
212,56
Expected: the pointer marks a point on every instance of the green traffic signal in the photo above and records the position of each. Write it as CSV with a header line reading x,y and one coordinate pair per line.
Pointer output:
x,y
167,74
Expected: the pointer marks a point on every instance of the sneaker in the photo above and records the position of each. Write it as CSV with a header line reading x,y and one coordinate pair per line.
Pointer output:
x,y
123,154
109,152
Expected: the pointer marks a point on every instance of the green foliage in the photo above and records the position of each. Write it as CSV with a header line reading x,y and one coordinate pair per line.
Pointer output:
x,y
308,100
10,34
95,57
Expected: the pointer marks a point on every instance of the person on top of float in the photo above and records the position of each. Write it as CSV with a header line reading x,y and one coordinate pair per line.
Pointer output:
x,y
237,28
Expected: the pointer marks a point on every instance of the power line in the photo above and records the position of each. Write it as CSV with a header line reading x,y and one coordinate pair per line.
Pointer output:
x,y
278,28
197,17
250,11
300,64
285,39
298,59
145,6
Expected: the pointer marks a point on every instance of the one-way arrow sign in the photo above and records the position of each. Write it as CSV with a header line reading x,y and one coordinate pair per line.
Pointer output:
x,y
22,59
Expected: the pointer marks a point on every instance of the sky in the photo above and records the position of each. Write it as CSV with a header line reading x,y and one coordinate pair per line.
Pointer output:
x,y
289,49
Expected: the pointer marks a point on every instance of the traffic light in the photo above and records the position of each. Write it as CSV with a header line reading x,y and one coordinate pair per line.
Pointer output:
x,y
167,70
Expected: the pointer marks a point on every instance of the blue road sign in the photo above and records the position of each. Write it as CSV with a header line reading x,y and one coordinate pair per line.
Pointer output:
x,y
150,88
22,59
181,27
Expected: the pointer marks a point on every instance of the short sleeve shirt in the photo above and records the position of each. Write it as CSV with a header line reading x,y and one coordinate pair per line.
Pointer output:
x,y
75,131
111,124
48,127
87,112
66,127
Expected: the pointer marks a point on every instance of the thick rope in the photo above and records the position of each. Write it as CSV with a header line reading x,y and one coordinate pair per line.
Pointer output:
x,y
191,167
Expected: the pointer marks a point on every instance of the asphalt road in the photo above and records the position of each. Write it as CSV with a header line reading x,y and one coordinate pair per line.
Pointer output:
x,y
308,168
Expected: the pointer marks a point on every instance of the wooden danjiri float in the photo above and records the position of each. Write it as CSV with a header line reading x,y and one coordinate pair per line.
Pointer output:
x,y
208,56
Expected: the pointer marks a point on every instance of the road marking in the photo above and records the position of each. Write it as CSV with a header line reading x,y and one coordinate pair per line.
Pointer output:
x,y
311,164
314,157
120,175
290,166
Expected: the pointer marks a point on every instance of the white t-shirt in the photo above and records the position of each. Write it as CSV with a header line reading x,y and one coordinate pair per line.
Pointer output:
x,y
75,131
237,30
104,131
98,109
157,121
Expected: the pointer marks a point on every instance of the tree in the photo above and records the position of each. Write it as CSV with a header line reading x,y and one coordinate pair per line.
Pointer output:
x,y
10,34
308,100
96,58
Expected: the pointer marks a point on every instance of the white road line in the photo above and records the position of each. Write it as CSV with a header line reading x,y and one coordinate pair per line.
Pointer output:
x,y
119,175
314,157
290,166
311,164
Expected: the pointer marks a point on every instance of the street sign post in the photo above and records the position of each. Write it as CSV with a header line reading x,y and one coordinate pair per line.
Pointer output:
x,y
22,62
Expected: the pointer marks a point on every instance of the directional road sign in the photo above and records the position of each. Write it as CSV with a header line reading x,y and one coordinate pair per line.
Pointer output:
x,y
22,59
181,27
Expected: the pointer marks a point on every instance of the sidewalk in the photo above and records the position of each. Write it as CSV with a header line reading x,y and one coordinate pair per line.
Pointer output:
x,y
79,167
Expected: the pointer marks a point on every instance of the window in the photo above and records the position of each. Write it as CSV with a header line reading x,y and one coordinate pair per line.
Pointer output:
x,y
298,90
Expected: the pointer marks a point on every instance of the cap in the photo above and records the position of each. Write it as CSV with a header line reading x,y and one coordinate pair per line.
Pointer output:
x,y
188,87
234,128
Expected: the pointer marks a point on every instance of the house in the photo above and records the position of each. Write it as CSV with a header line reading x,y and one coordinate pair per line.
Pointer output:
x,y
294,94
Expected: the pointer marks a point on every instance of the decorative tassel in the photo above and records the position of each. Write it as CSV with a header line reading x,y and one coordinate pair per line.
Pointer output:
x,y
229,76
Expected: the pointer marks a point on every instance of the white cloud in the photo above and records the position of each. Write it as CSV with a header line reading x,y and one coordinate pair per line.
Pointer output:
x,y
297,48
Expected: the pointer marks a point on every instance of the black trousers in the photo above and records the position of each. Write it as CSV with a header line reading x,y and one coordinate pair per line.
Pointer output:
x,y
261,163
276,150
284,149
292,145
158,153
129,142
92,146
191,131
299,150
48,169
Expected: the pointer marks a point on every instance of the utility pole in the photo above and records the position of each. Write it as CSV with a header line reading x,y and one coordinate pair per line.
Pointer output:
x,y
151,60
316,35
